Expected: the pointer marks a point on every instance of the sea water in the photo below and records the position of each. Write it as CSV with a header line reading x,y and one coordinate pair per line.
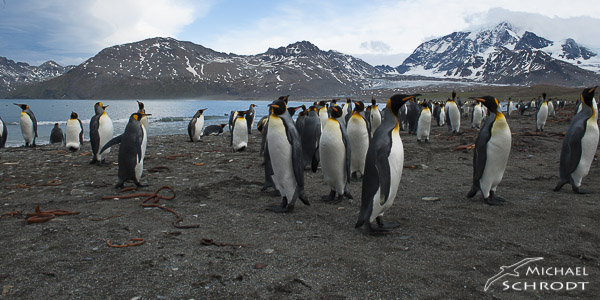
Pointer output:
x,y
168,116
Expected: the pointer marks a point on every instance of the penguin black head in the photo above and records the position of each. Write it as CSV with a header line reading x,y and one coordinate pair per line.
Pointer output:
x,y
140,105
336,111
22,106
222,125
587,96
278,107
74,115
359,106
292,110
56,125
322,103
241,113
284,98
544,96
334,101
424,103
453,95
313,108
253,105
201,111
138,115
490,102
348,100
373,102
396,101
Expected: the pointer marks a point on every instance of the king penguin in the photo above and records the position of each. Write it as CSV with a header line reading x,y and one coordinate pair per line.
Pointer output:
x,y
142,110
56,135
250,114
74,133
131,151
452,114
310,136
383,168
101,131
359,134
374,116
509,107
239,133
323,112
492,148
477,115
196,126
214,129
424,123
334,150
580,144
542,114
3,133
284,149
28,125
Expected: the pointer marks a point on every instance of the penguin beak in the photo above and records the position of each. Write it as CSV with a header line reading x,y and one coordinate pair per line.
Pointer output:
x,y
105,106
273,106
592,90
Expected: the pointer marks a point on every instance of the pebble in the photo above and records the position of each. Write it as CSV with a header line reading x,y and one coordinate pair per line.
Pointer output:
x,y
77,192
269,251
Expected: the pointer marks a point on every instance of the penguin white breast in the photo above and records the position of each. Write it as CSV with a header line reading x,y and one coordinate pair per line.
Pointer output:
x,y
333,156
454,116
72,131
424,124
105,130
589,144
139,167
396,162
358,137
280,152
323,116
542,116
240,134
497,152
198,130
375,118
27,127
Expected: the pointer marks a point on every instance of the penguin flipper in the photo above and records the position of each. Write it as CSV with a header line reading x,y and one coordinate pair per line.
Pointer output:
x,y
80,133
32,117
113,141
191,127
315,160
571,149
95,135
480,151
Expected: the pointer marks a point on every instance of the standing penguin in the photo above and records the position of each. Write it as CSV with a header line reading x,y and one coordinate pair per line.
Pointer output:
x,y
551,108
412,116
509,107
3,133
239,133
310,136
101,131
196,126
347,112
442,114
424,123
56,135
477,116
28,125
358,136
492,148
383,168
142,110
452,114
232,118
250,114
132,150
323,112
580,144
374,116
284,149
334,151
542,114
74,133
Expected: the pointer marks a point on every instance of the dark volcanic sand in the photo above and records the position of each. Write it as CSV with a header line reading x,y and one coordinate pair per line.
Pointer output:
x,y
443,249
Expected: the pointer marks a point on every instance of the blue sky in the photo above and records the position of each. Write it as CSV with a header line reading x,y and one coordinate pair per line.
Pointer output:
x,y
378,31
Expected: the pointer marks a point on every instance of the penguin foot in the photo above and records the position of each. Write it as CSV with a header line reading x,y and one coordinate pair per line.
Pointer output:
x,y
329,198
281,208
581,191
304,200
382,226
493,201
497,198
559,185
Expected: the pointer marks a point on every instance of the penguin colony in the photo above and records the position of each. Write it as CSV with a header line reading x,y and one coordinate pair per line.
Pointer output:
x,y
348,143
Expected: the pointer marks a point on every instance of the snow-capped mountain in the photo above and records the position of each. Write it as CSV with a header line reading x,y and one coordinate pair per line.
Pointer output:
x,y
165,67
501,55
15,74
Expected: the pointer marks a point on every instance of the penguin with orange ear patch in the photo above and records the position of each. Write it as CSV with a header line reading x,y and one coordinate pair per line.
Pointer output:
x,y
492,148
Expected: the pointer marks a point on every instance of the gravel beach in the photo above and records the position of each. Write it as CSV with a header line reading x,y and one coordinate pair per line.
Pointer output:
x,y
446,248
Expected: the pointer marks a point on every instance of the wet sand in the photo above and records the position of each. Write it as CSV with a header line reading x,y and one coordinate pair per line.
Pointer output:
x,y
443,249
